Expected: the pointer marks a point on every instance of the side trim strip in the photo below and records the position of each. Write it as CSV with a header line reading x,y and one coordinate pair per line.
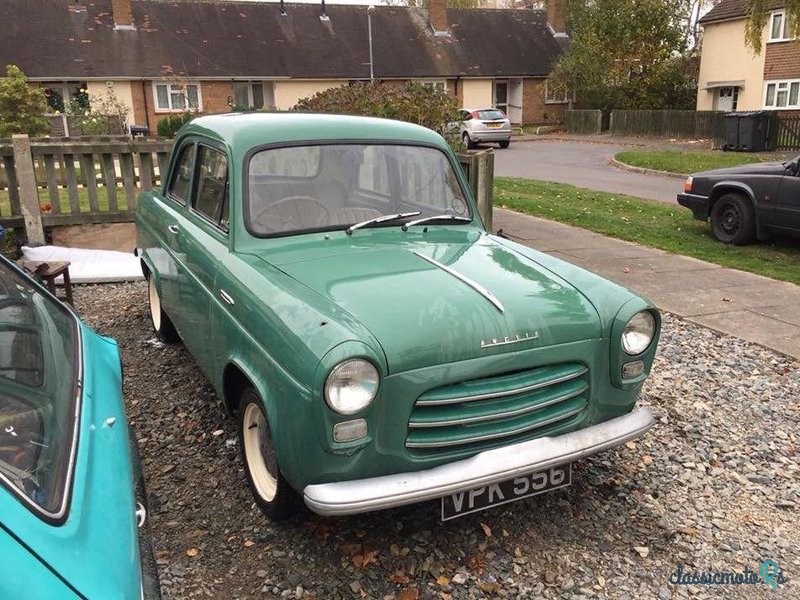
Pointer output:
x,y
464,279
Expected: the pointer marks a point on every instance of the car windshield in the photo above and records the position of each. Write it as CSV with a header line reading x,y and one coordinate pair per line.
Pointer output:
x,y
38,354
490,114
326,187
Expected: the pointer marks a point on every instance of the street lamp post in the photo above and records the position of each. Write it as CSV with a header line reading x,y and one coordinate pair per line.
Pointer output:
x,y
369,31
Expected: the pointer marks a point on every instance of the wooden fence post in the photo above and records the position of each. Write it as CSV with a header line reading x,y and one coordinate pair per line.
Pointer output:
x,y
28,193
485,191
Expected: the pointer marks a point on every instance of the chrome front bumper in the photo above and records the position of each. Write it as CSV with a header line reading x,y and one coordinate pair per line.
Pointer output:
x,y
491,466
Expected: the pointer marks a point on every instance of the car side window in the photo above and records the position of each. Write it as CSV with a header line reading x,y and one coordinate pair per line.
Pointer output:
x,y
211,185
181,179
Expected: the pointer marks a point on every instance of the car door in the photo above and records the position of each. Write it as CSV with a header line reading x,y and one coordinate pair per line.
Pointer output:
x,y
168,263
787,203
203,243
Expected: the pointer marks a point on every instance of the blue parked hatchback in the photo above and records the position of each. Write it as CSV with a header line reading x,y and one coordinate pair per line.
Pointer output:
x,y
72,502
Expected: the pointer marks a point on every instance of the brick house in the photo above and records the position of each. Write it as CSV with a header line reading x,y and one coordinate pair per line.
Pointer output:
x,y
732,76
161,57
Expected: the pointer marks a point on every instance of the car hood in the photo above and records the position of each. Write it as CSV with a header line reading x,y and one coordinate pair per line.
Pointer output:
x,y
754,169
424,314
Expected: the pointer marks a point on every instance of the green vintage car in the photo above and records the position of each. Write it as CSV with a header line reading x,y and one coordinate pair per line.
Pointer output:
x,y
334,281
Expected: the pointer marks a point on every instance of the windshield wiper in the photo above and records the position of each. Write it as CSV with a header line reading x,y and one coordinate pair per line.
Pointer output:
x,y
435,218
383,219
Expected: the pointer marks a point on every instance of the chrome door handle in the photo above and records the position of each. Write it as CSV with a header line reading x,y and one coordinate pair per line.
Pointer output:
x,y
226,297
173,229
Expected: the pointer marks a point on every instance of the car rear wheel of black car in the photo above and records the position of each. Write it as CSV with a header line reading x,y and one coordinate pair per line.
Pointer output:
x,y
272,492
165,330
467,141
504,144
733,220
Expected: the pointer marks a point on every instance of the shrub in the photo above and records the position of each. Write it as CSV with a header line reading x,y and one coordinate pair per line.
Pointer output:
x,y
22,107
414,102
169,126
103,116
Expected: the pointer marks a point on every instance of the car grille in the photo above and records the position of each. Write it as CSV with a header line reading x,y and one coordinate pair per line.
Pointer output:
x,y
481,412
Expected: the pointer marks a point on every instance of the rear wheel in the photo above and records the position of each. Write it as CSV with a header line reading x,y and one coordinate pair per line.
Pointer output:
x,y
467,141
272,492
733,220
165,330
504,144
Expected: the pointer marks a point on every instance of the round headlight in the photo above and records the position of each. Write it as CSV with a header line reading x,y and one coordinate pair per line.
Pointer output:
x,y
351,386
639,332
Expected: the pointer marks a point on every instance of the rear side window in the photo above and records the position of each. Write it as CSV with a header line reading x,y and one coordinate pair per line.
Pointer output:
x,y
211,186
181,179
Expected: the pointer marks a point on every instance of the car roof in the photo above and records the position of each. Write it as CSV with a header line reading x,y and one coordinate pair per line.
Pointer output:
x,y
243,131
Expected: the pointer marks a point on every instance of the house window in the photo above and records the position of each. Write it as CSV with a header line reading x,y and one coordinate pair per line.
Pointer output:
x,y
440,85
782,94
778,27
66,96
177,97
555,93
252,95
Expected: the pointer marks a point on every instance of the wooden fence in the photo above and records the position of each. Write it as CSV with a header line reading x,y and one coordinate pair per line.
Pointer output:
x,y
45,184
584,121
685,124
788,133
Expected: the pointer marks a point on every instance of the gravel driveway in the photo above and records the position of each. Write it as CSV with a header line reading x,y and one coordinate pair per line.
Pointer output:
x,y
715,485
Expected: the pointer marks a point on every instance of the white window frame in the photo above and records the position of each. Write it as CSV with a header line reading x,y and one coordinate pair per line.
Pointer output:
x,y
554,100
173,88
783,36
265,84
780,86
439,85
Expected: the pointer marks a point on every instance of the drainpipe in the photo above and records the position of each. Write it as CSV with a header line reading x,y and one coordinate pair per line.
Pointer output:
x,y
369,31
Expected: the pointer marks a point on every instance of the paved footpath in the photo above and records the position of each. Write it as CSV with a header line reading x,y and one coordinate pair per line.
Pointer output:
x,y
748,306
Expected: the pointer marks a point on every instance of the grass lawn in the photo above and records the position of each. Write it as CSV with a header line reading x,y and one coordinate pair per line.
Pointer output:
x,y
83,200
650,223
676,161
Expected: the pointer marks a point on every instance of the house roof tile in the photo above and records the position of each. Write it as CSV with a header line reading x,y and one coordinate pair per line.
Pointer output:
x,y
734,9
206,39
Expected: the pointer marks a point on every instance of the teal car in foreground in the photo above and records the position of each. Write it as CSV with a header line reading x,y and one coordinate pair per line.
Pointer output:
x,y
71,489
333,279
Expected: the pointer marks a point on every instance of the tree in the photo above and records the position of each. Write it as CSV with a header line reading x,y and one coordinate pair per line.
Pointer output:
x,y
22,107
627,54
759,15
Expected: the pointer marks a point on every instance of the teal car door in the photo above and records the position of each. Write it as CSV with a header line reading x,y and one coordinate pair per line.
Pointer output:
x,y
202,243
169,260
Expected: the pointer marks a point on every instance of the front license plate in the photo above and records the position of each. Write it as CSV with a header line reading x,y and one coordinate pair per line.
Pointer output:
x,y
523,486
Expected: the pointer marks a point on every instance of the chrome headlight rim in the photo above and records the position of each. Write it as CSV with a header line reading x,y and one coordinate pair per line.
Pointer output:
x,y
370,381
643,326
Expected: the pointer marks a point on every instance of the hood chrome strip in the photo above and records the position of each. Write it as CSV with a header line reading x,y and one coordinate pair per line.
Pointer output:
x,y
474,285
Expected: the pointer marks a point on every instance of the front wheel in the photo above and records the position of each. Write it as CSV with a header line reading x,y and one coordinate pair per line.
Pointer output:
x,y
272,492
733,220
165,330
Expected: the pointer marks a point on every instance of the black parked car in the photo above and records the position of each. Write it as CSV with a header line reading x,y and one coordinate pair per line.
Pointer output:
x,y
748,202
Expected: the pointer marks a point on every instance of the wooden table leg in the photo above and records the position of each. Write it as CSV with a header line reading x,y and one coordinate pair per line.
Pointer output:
x,y
68,287
51,285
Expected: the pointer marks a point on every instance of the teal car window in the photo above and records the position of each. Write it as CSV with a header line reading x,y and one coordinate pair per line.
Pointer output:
x,y
332,186
181,179
211,183
38,374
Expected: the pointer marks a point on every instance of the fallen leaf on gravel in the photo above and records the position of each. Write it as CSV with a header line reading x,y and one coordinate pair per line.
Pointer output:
x,y
192,552
350,549
631,445
689,530
218,433
442,580
642,551
399,578
488,588
476,564
486,529
360,533
647,459
445,595
249,543
366,559
409,594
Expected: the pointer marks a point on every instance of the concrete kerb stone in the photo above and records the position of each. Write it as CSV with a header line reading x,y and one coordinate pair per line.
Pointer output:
x,y
626,167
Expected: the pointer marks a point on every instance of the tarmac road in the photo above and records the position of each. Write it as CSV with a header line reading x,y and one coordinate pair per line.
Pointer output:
x,y
582,164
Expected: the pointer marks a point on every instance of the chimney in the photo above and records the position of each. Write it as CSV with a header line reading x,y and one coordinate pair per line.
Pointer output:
x,y
437,17
123,15
557,11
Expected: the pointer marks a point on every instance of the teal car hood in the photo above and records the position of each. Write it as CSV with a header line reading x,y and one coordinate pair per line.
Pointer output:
x,y
425,314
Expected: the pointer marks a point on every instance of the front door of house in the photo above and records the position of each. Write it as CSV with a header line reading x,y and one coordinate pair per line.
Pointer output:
x,y
726,98
501,95
515,100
